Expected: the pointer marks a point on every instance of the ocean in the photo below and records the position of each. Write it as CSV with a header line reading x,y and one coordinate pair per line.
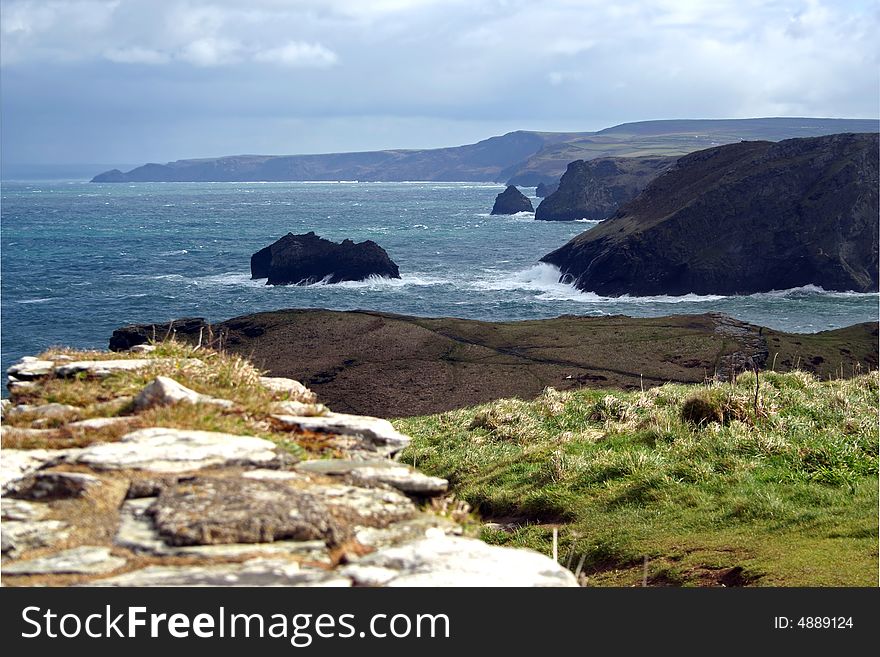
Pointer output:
x,y
81,259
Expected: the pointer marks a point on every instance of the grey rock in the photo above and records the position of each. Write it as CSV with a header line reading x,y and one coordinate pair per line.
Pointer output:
x,y
20,510
275,475
421,526
138,533
44,412
16,464
22,535
256,572
83,560
369,507
177,450
453,561
56,485
394,474
165,391
20,387
142,349
209,510
25,433
294,389
359,433
298,408
30,368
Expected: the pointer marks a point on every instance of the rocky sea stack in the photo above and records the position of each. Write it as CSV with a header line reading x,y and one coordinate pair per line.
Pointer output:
x,y
304,259
739,219
511,201
595,189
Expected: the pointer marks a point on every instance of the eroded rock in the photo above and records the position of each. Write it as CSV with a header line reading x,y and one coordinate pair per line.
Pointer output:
x,y
207,511
394,474
256,572
83,560
294,389
452,561
371,435
165,391
178,450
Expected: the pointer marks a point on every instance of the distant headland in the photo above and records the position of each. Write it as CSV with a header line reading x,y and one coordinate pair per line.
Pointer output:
x,y
524,158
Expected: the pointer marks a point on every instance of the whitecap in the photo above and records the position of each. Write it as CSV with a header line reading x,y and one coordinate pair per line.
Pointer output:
x,y
40,300
173,253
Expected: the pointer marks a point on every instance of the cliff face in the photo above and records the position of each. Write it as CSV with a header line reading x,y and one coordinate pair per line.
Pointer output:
x,y
594,189
739,219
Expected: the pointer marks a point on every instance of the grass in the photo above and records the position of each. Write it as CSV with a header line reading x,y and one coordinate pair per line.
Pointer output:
x,y
709,485
216,374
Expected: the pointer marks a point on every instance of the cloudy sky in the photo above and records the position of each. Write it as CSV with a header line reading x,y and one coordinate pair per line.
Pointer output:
x,y
129,81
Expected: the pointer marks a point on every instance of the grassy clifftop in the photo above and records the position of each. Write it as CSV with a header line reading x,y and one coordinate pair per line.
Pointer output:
x,y
709,483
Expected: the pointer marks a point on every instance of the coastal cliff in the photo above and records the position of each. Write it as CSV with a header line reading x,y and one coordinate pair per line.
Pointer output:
x,y
595,189
739,219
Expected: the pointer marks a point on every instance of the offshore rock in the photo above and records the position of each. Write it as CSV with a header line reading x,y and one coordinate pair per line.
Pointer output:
x,y
305,259
511,201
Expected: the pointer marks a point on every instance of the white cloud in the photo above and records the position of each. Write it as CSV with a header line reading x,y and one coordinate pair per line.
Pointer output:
x,y
295,53
211,51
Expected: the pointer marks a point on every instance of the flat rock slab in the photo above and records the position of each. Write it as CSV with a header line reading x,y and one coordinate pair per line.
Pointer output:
x,y
84,560
104,368
20,510
19,536
177,450
299,408
294,389
370,434
256,572
387,472
366,507
405,531
44,412
453,561
29,368
138,533
212,510
16,464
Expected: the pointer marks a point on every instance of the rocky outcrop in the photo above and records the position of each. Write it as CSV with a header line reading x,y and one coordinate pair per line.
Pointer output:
x,y
304,259
127,337
739,219
511,201
544,190
162,506
595,189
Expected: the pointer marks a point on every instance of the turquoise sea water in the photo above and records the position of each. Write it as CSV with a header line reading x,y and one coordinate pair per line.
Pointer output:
x,y
80,259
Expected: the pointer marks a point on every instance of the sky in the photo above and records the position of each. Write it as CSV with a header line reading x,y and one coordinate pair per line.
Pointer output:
x,y
132,81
